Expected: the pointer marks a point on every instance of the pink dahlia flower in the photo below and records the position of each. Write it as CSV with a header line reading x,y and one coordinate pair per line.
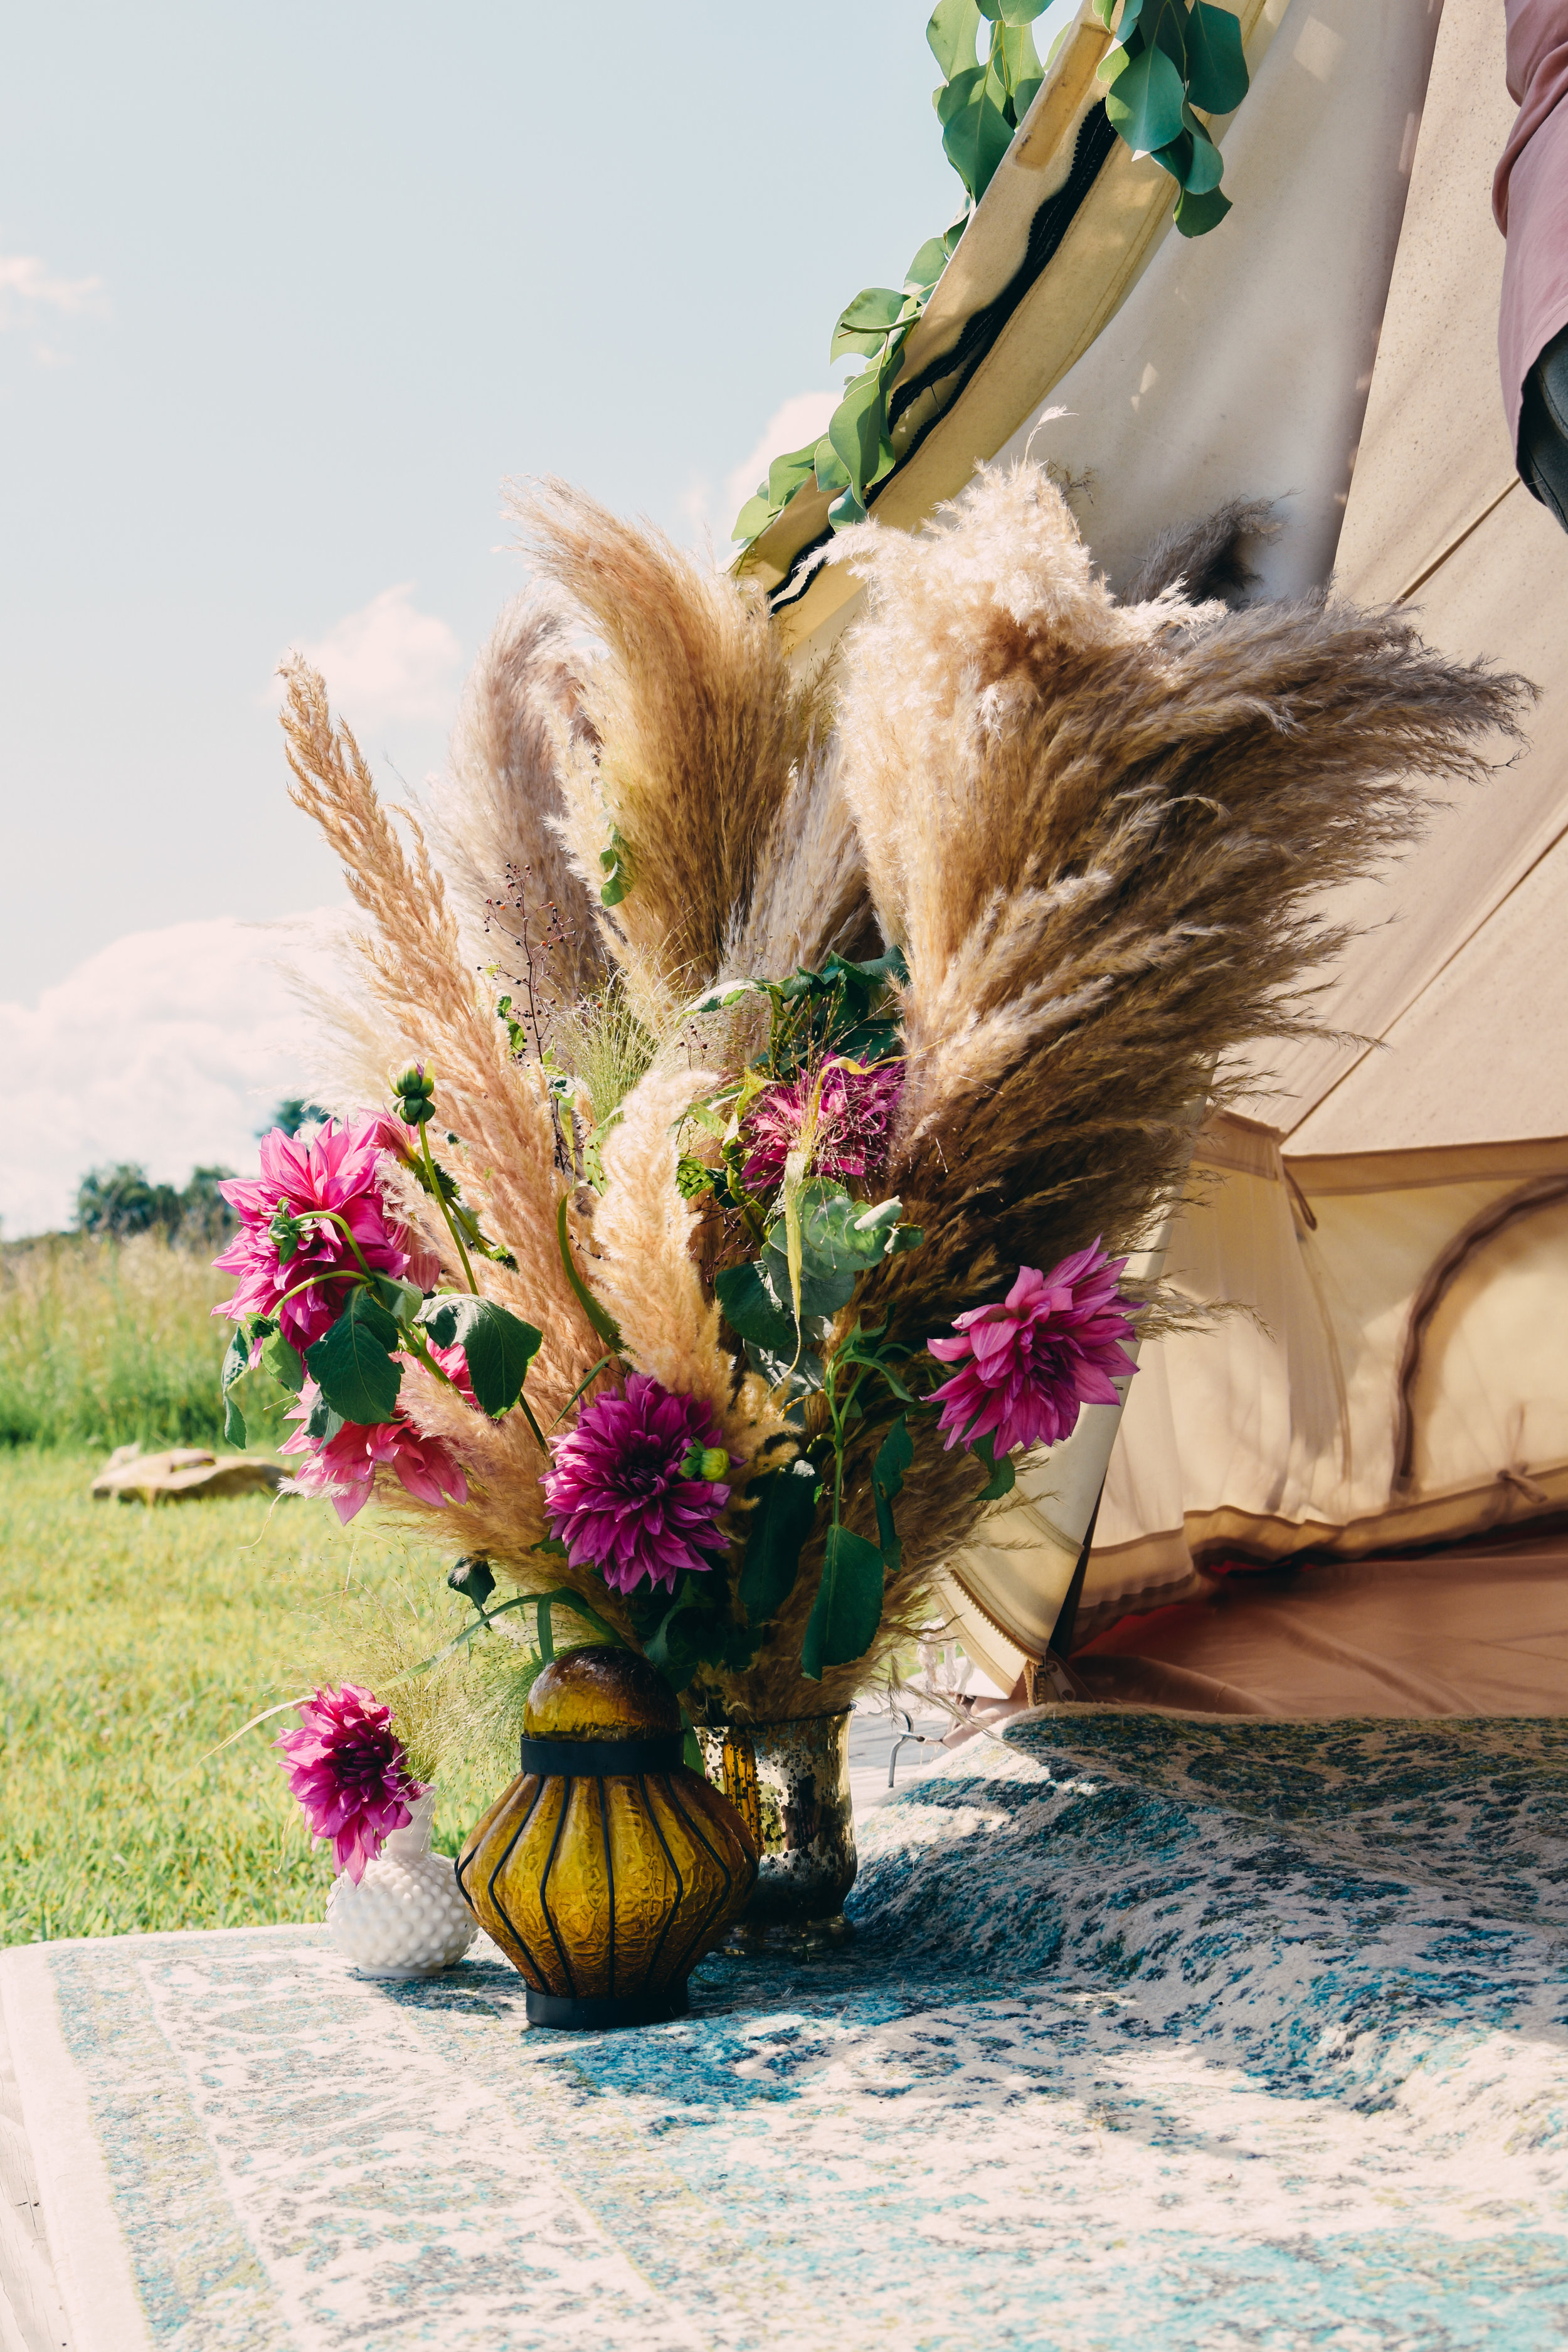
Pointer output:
x,y
281,1242
346,1766
619,1497
1026,1368
853,1121
344,1467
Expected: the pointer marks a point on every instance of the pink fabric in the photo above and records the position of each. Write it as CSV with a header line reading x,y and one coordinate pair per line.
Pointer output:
x,y
1530,195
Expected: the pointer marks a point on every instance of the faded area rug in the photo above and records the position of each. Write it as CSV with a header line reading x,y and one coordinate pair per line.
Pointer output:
x,y
1155,2032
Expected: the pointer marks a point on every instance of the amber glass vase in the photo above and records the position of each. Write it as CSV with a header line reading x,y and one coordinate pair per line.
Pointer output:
x,y
608,1868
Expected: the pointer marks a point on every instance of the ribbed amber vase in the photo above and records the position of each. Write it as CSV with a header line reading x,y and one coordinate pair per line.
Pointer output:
x,y
608,1868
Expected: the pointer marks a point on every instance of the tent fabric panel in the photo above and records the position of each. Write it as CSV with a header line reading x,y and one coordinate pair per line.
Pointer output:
x,y
1502,596
1277,1430
1481,1054
1484,1632
1192,394
1434,452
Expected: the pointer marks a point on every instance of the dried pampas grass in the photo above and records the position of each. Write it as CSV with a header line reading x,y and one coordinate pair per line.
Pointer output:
x,y
695,725
1099,831
495,816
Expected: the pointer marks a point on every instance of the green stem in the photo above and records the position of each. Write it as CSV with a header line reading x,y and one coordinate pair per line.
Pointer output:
x,y
440,1200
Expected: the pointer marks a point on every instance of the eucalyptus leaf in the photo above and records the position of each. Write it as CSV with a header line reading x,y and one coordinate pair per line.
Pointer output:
x,y
928,264
786,474
1144,101
753,518
775,1535
855,428
951,33
832,474
1217,68
849,1605
1196,214
354,1364
756,1304
976,132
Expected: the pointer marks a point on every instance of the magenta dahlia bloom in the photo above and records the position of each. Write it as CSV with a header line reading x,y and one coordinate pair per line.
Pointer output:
x,y
344,1467
346,1766
621,1499
853,1121
1026,1368
281,1242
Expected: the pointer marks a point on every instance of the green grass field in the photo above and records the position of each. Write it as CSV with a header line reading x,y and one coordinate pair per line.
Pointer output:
x,y
131,1643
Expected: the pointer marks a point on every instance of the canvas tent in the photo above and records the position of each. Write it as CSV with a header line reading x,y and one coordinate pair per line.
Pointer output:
x,y
1393,1212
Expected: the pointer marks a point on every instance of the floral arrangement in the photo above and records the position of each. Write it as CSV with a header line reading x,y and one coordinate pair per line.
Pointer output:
x,y
810,1055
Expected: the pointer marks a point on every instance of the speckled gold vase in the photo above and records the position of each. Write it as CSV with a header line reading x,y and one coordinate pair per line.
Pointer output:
x,y
608,1868
790,1782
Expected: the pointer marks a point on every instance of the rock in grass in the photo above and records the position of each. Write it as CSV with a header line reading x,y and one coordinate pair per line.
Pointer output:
x,y
183,1473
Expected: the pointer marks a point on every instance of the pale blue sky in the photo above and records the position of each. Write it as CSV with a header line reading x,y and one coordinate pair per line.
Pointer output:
x,y
286,291
357,262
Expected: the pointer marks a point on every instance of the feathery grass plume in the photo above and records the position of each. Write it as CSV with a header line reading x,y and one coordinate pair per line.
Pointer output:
x,y
1202,558
809,898
496,811
501,1111
1100,833
645,1272
694,725
606,1048
466,1711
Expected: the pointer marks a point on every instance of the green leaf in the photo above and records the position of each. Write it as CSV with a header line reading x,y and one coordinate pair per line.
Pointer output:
x,y
832,474
786,474
236,1363
284,1362
1195,216
846,509
1144,102
855,428
927,265
599,1319
951,33
323,1424
849,1605
894,1457
1217,68
352,1365
976,132
1014,12
1003,1478
1193,158
474,1578
753,518
496,1345
775,1534
757,1305
402,1301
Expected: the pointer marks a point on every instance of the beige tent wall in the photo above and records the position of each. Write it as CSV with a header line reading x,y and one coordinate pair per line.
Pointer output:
x,y
1394,1221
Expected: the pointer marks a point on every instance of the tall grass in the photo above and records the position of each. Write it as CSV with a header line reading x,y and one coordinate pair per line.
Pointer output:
x,y
104,1342
134,1641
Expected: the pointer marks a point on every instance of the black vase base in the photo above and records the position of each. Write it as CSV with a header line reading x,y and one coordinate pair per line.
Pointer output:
x,y
751,1940
603,2015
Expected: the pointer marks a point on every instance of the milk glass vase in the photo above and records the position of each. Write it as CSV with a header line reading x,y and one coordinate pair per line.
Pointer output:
x,y
406,1918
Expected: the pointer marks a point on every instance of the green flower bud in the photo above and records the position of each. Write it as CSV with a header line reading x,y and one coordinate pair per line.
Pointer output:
x,y
474,1578
416,1097
715,1463
284,1231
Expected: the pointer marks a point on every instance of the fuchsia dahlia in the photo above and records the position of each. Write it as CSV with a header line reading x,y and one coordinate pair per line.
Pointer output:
x,y
1025,1368
853,1121
620,1498
343,1468
346,1766
282,1244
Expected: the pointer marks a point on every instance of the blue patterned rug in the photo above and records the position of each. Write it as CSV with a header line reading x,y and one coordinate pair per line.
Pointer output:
x,y
1154,2031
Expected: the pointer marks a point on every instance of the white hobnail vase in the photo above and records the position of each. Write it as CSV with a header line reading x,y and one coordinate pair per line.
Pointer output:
x,y
406,1918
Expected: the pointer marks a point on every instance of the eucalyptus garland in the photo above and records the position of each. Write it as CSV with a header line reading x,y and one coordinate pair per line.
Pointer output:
x,y
1171,57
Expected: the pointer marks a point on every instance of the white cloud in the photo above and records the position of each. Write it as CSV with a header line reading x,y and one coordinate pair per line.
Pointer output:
x,y
168,1047
390,661
30,291
801,418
